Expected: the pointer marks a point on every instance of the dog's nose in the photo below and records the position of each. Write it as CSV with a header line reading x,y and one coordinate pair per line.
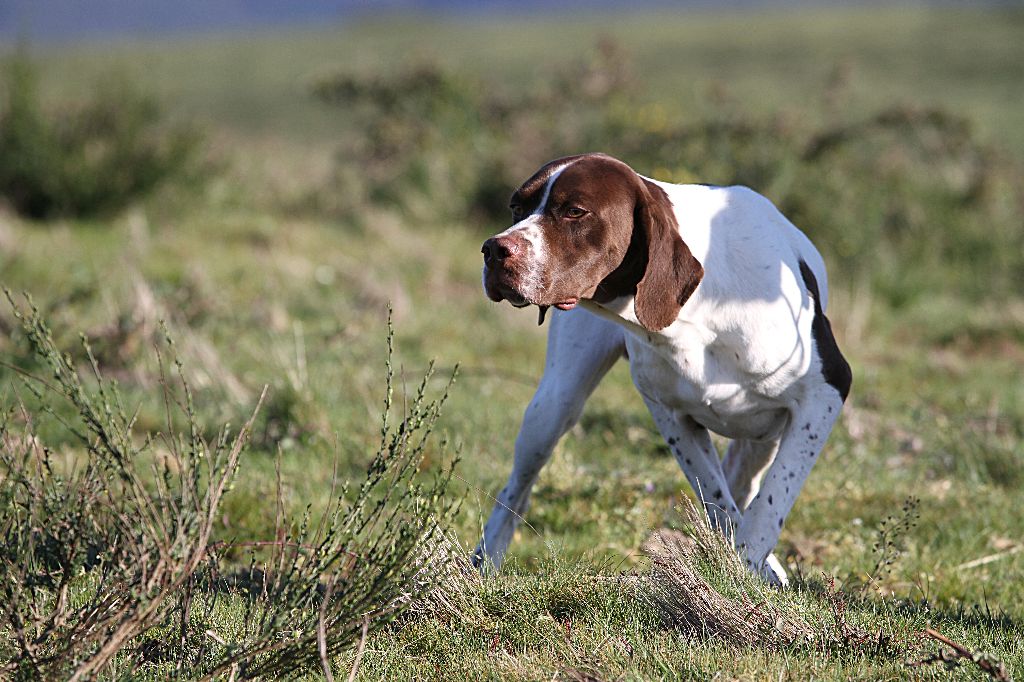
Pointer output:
x,y
498,249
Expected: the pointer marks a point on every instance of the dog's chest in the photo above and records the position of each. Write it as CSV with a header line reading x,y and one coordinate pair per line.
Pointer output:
x,y
709,382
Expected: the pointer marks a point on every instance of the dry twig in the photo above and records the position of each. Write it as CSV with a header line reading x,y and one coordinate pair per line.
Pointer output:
x,y
321,633
995,668
359,651
981,561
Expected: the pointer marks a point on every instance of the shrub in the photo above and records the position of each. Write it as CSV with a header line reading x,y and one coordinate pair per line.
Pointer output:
x,y
438,144
113,561
89,158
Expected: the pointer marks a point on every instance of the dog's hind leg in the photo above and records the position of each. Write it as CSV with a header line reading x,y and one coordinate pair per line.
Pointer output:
x,y
581,349
802,441
744,465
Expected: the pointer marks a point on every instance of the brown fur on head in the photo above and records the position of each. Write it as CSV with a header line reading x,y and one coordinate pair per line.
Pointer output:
x,y
589,227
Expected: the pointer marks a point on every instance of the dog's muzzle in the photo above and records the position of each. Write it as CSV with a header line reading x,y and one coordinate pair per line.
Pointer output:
x,y
504,257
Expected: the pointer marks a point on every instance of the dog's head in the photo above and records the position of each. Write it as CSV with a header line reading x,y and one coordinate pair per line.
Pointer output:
x,y
589,227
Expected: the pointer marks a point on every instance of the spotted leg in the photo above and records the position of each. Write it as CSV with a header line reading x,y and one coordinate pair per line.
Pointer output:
x,y
696,455
581,349
744,464
810,424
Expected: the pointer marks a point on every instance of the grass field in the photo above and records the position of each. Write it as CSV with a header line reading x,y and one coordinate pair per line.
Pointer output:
x,y
258,288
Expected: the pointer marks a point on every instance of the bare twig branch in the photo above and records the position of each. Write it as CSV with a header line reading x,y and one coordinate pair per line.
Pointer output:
x,y
995,668
321,633
359,651
988,559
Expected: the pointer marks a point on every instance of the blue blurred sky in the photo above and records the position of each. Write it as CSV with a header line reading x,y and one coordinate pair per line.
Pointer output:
x,y
85,20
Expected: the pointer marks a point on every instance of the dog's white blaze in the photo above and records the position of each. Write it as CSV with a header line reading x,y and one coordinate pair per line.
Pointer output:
x,y
530,229
547,188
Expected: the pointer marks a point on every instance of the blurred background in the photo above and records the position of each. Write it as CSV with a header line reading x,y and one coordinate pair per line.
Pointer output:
x,y
265,178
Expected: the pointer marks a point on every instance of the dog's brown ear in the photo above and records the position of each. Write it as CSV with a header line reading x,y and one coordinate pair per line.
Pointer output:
x,y
672,273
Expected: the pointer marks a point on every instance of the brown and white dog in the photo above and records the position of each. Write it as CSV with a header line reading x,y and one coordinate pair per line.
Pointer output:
x,y
717,301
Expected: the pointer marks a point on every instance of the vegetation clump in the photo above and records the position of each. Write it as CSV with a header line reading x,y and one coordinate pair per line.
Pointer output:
x,y
90,158
111,562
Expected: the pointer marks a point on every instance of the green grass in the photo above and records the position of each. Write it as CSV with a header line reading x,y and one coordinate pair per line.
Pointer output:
x,y
257,292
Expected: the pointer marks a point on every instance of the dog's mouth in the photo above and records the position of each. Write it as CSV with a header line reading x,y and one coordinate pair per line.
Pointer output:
x,y
498,288
519,301
500,291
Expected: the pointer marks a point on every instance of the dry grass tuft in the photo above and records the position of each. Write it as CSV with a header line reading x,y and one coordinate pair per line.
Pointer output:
x,y
450,590
737,607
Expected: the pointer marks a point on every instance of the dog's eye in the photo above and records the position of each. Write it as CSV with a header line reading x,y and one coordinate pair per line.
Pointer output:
x,y
517,211
575,213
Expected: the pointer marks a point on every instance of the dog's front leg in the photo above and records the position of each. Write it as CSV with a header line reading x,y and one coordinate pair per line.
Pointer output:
x,y
581,350
697,457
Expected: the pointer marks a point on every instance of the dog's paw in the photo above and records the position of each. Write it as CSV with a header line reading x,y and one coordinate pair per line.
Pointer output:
x,y
482,563
777,576
771,571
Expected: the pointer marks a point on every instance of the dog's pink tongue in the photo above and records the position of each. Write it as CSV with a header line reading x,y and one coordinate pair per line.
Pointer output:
x,y
567,304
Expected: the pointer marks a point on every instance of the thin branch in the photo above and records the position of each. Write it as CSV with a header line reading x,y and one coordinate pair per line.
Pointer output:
x,y
359,650
981,561
321,633
995,668
215,637
30,375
